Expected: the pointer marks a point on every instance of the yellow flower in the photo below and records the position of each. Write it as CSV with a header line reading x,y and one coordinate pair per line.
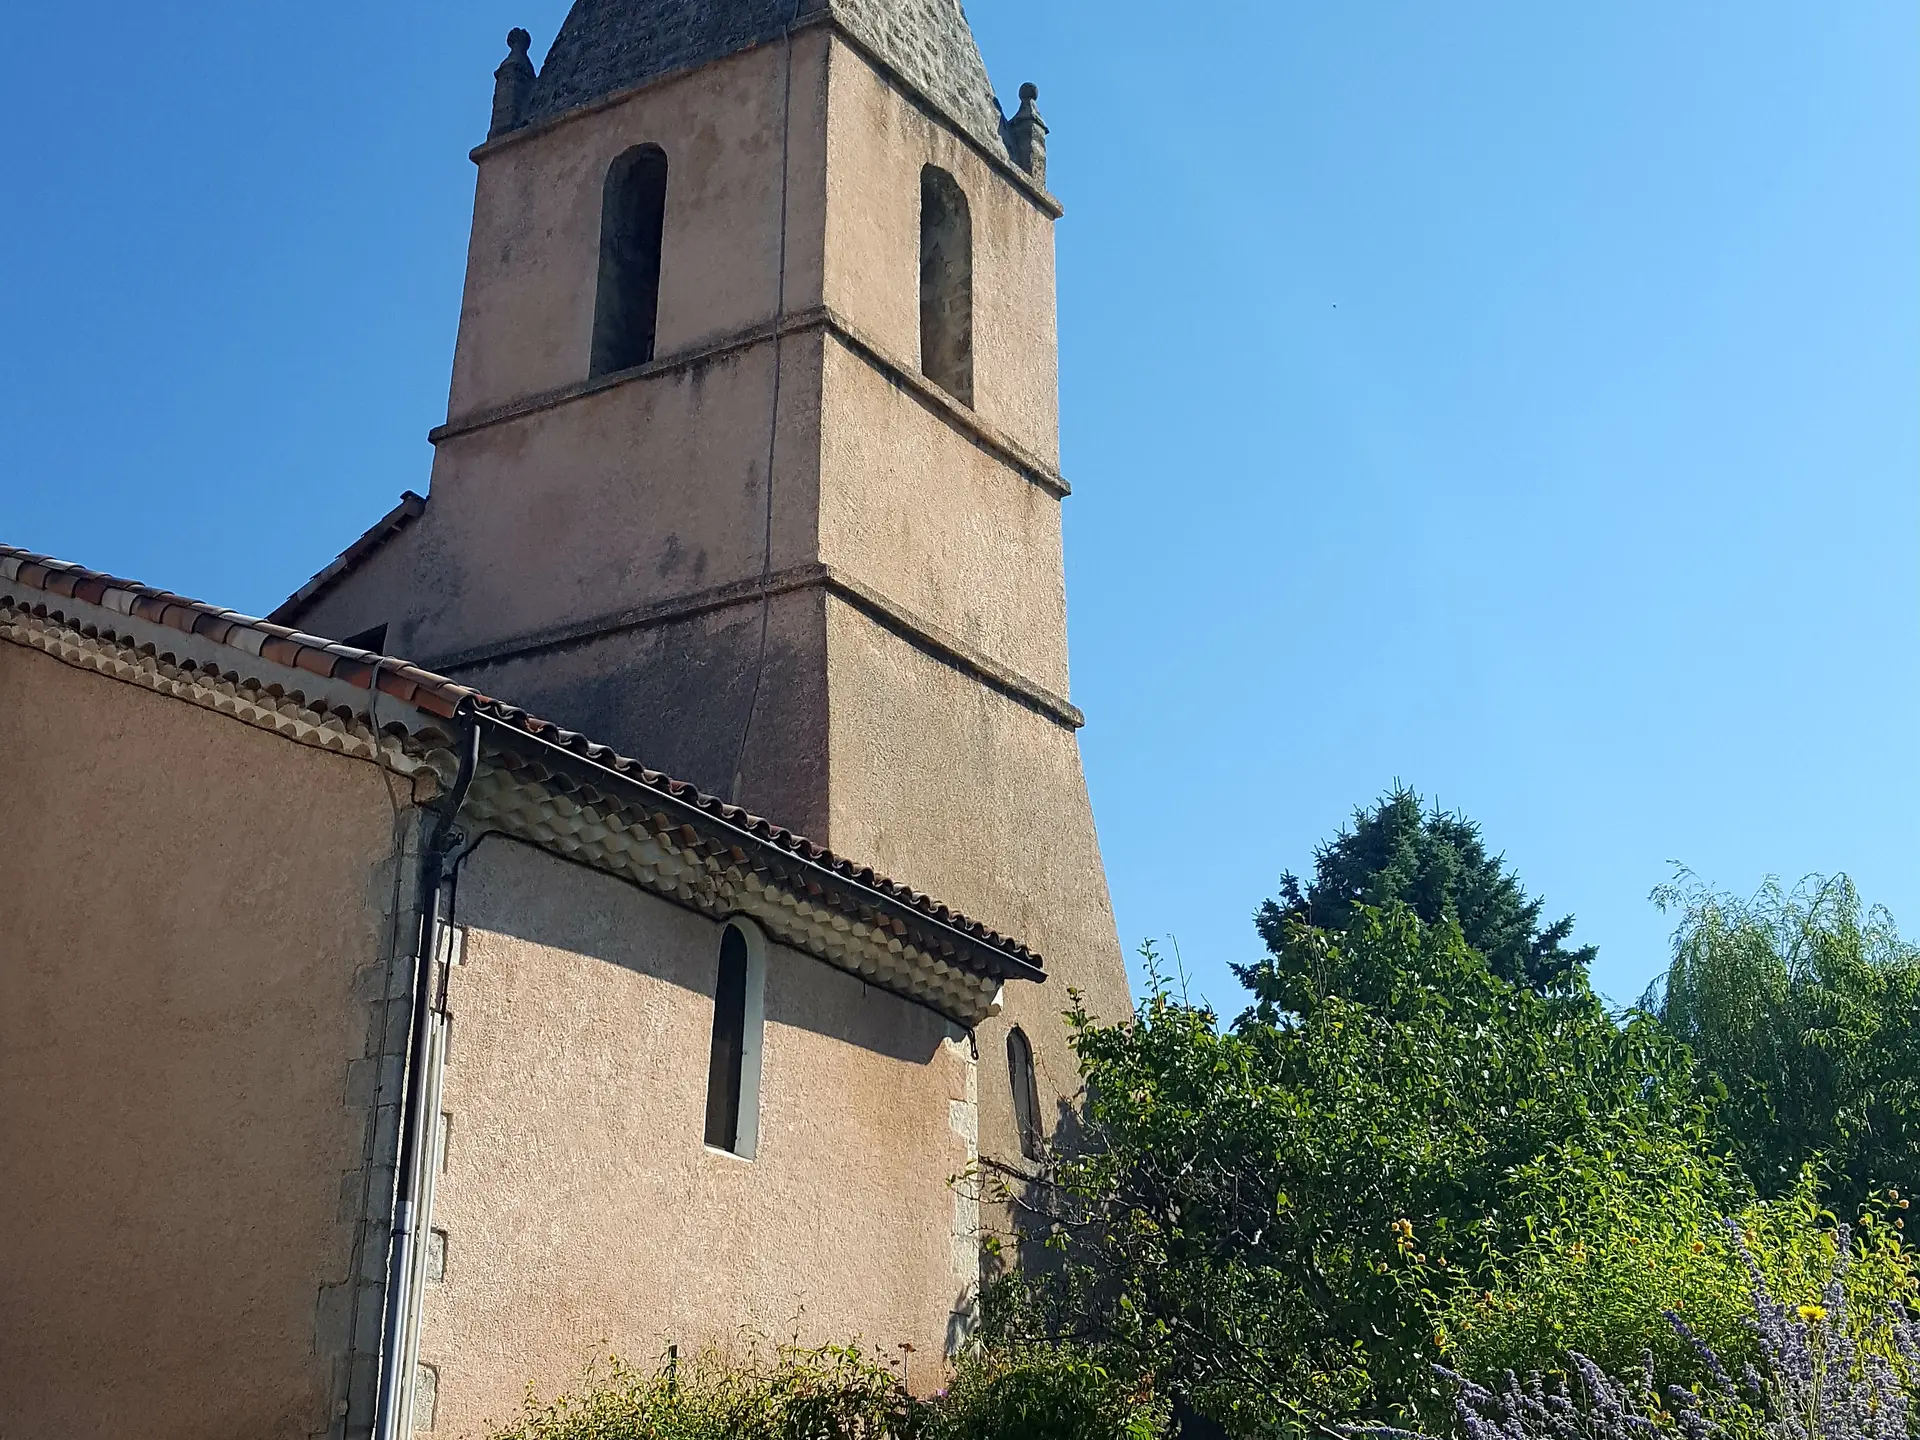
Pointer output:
x,y
1813,1312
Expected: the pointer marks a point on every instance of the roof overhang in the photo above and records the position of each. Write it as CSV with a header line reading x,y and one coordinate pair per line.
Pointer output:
x,y
534,782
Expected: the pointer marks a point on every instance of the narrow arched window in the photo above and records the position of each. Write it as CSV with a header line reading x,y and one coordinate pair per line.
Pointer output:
x,y
1026,1095
733,1069
946,284
633,210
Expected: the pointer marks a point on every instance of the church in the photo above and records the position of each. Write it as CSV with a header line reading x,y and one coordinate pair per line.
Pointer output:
x,y
619,900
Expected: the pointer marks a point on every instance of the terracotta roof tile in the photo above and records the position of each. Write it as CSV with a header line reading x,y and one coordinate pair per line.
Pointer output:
x,y
281,651
397,686
436,702
316,658
354,672
245,638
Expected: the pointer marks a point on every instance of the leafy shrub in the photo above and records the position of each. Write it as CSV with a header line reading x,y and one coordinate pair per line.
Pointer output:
x,y
834,1393
1267,1216
1046,1393
1603,1283
1827,1369
840,1393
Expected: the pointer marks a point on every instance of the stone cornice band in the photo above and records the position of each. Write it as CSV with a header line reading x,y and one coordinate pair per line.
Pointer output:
x,y
922,634
823,318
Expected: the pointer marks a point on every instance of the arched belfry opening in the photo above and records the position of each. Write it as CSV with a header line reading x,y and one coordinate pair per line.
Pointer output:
x,y
633,212
946,284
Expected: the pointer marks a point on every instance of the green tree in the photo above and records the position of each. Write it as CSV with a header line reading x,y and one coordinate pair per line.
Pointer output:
x,y
1802,1007
1265,1215
1436,863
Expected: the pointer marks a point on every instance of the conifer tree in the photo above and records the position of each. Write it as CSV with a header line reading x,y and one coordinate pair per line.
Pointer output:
x,y
1435,863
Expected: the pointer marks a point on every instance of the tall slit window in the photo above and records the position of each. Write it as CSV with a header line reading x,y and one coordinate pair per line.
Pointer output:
x,y
1026,1095
946,284
633,210
733,1071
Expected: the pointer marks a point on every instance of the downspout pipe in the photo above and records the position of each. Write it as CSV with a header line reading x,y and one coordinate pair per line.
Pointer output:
x,y
413,1119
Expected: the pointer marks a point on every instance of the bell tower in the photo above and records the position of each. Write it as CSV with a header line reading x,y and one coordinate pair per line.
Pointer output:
x,y
750,468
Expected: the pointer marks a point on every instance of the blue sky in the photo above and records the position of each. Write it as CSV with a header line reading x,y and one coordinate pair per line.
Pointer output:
x,y
1519,401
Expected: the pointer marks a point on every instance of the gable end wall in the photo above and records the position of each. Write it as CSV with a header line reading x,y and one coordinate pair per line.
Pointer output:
x,y
198,1009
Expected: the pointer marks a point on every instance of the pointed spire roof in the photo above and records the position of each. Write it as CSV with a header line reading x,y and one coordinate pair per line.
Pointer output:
x,y
607,46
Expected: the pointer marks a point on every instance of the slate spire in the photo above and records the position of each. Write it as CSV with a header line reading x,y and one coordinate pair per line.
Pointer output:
x,y
606,46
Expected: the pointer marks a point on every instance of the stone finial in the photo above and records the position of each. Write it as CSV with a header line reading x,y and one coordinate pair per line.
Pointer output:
x,y
1027,135
512,85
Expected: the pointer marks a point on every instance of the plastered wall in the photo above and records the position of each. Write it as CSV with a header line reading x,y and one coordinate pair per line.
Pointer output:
x,y
877,142
918,512
190,914
582,1211
985,804
618,500
692,698
526,322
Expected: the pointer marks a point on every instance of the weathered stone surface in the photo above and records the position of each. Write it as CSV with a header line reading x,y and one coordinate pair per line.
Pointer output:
x,y
1027,135
512,85
607,46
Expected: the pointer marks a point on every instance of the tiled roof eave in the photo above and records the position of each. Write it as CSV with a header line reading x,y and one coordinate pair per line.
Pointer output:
x,y
794,859
383,709
626,830
418,752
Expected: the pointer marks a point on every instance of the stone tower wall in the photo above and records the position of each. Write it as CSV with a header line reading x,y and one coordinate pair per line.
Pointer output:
x,y
873,649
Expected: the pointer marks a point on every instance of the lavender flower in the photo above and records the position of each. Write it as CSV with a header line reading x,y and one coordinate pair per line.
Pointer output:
x,y
1814,1383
